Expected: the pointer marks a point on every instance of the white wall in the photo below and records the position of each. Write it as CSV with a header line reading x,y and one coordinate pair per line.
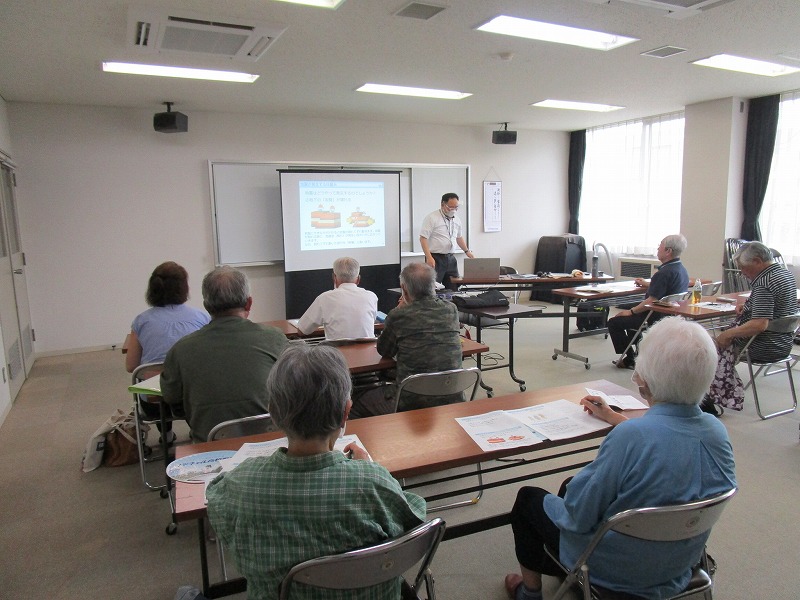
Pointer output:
x,y
713,159
103,199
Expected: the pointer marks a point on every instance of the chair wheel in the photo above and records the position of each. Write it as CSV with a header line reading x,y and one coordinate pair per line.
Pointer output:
x,y
522,388
171,529
588,366
147,450
490,394
555,356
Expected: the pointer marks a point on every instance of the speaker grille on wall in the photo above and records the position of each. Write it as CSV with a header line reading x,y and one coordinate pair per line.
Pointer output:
x,y
504,137
170,122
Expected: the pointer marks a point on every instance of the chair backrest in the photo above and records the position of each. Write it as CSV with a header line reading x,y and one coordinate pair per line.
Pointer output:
x,y
241,427
507,270
676,297
372,565
788,324
784,324
346,341
441,383
146,371
711,289
663,523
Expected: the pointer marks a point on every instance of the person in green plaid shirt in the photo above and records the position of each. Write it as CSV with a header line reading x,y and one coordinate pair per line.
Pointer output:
x,y
308,500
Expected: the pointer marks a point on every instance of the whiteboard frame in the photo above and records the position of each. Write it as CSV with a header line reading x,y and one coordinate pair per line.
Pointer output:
x,y
300,164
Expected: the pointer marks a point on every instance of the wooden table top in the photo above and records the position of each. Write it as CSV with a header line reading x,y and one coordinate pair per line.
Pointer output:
x,y
419,441
690,311
532,280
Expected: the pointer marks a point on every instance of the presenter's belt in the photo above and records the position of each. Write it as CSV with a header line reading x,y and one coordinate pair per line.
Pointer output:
x,y
441,254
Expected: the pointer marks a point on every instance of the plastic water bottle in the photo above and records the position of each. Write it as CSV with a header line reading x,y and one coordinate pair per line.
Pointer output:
x,y
595,264
697,291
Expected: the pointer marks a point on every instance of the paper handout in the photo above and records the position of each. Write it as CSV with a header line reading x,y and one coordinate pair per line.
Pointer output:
x,y
620,402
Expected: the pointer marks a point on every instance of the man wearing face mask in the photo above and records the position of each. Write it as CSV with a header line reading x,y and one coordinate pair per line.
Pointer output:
x,y
441,232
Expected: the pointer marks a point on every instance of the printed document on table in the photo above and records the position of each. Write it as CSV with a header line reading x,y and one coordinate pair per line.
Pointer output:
x,y
559,420
620,402
267,448
498,430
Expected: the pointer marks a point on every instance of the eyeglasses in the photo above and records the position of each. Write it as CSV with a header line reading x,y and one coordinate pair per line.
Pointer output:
x,y
448,207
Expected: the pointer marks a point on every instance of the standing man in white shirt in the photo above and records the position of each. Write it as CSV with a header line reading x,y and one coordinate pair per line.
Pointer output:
x,y
440,234
346,311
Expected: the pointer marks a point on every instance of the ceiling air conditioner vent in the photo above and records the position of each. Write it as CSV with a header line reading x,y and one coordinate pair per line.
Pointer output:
x,y
161,32
677,9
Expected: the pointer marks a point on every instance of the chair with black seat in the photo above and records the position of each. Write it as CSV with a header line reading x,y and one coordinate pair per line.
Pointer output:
x,y
656,524
235,428
445,383
143,421
788,324
372,565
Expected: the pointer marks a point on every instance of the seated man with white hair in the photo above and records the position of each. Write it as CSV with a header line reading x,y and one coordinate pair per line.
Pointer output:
x,y
346,311
672,455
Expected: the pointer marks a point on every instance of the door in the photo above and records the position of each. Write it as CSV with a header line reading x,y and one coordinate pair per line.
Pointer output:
x,y
14,310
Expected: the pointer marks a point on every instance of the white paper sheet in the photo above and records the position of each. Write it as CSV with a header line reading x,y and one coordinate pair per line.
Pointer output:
x,y
559,420
498,430
620,402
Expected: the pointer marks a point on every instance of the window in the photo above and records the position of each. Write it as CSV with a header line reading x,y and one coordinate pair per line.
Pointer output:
x,y
632,183
780,215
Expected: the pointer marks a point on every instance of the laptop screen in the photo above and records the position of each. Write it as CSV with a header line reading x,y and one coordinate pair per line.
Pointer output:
x,y
481,268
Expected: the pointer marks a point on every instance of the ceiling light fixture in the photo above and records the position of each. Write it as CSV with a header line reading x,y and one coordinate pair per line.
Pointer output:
x,y
399,90
183,72
569,105
746,65
559,34
333,4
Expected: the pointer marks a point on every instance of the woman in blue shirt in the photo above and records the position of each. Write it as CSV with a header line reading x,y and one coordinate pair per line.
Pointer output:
x,y
168,319
673,454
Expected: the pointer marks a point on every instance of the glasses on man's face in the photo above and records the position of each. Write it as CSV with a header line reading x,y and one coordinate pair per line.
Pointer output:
x,y
451,207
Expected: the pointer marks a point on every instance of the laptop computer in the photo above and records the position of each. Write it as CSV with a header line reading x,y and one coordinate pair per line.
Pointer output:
x,y
482,268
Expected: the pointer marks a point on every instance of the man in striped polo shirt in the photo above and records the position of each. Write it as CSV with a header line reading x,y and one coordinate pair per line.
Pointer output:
x,y
773,295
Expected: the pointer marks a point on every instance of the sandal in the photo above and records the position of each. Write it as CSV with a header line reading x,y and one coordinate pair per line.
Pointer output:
x,y
513,581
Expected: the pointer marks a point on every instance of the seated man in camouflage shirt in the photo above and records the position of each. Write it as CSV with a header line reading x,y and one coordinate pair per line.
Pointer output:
x,y
421,333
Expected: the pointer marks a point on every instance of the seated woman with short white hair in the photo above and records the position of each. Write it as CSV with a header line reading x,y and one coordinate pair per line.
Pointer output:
x,y
673,454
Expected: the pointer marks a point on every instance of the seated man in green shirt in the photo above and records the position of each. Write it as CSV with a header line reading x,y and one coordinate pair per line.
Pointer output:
x,y
307,500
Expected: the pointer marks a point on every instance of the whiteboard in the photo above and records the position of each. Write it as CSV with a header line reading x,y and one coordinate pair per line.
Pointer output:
x,y
246,205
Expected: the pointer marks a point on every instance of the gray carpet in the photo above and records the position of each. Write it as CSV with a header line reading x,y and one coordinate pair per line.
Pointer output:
x,y
69,535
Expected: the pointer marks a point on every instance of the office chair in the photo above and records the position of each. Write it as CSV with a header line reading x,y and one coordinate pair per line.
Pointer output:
x,y
788,324
657,524
510,271
445,383
232,429
374,564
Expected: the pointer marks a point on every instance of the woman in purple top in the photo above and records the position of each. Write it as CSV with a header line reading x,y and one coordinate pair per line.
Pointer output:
x,y
168,319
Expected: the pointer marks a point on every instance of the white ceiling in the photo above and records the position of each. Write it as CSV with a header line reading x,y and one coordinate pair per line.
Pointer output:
x,y
51,52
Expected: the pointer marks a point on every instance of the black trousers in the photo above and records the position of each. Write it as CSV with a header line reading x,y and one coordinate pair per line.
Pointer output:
x,y
623,329
446,267
533,530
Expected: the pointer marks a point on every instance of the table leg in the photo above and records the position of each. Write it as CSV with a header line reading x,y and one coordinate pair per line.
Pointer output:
x,y
489,390
565,339
511,355
173,525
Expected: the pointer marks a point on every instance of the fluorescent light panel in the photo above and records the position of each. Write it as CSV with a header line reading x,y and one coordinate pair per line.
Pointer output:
x,y
334,4
559,34
398,90
183,72
569,105
746,65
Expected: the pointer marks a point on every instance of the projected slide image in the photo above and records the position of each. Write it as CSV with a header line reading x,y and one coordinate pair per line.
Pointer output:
x,y
341,214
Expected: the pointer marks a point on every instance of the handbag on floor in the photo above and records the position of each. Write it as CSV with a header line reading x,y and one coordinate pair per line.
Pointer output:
x,y
114,443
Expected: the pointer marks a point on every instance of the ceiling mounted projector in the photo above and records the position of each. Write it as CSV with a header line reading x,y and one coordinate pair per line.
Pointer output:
x,y
170,122
504,136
